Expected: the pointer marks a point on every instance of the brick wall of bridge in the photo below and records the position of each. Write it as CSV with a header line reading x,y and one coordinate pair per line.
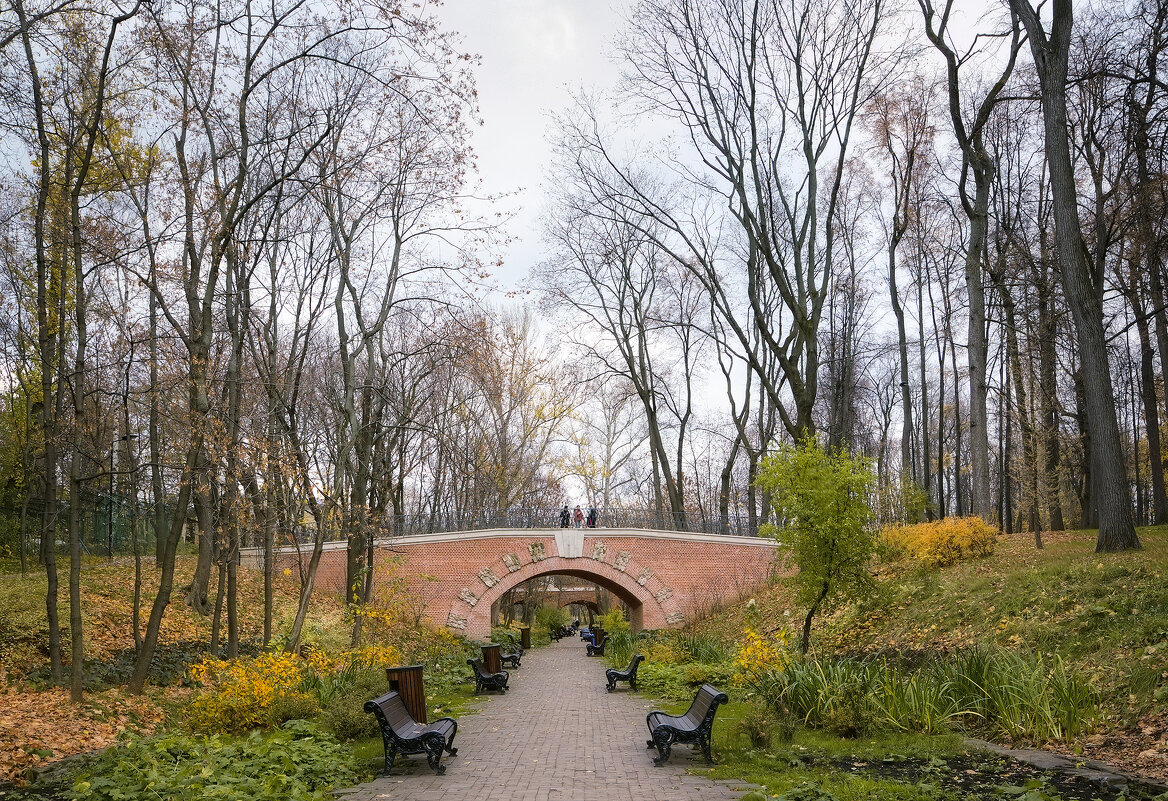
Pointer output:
x,y
666,578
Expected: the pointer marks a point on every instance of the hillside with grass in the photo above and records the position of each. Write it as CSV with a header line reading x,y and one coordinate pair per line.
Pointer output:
x,y
1101,617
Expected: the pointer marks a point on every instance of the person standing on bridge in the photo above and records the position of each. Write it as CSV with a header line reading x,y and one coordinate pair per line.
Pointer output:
x,y
578,516
592,517
565,517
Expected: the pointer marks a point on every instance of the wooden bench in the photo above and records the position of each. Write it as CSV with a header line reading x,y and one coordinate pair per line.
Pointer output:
x,y
596,646
404,735
694,727
629,674
488,681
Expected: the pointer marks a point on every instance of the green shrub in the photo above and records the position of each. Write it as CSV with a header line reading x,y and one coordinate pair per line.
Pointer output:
x,y
664,680
505,635
546,620
823,496
759,728
614,621
697,647
294,707
720,674
345,716
295,763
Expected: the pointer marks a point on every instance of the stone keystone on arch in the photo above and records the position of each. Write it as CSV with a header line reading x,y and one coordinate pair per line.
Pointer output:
x,y
646,574
598,551
538,552
512,562
488,577
622,560
468,596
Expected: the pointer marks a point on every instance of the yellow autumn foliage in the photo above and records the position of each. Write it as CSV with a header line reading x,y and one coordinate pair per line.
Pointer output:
x,y
759,655
241,693
251,692
943,542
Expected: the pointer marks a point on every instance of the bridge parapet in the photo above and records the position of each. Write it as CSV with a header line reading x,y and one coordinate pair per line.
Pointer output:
x,y
735,524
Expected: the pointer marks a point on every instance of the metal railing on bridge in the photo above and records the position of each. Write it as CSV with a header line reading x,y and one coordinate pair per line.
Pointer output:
x,y
734,524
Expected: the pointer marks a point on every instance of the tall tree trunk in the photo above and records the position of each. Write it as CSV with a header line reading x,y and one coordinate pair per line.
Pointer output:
x,y
1021,404
166,580
907,471
1048,389
79,435
1081,289
157,494
1088,511
979,441
48,345
1151,418
926,473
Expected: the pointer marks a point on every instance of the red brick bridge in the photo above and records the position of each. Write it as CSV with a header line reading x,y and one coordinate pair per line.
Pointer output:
x,y
666,578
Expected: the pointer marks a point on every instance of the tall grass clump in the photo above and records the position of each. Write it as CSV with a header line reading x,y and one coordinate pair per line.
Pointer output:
x,y
1017,696
620,648
698,647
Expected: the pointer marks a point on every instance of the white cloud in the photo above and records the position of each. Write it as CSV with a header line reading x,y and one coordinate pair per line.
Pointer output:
x,y
534,53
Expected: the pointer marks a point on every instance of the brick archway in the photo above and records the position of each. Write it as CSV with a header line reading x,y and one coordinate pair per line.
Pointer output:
x,y
646,610
666,578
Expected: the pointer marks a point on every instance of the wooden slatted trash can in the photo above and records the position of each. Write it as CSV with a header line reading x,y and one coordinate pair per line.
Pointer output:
x,y
406,681
525,637
492,661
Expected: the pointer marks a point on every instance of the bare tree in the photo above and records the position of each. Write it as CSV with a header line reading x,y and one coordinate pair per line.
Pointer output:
x,y
1051,51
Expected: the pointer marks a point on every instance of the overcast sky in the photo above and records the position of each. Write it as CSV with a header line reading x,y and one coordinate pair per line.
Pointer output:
x,y
534,53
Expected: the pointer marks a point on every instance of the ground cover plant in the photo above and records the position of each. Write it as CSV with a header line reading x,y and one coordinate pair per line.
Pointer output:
x,y
185,768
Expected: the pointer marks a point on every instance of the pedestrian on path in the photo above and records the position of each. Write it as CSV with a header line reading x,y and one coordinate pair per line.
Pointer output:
x,y
578,516
565,517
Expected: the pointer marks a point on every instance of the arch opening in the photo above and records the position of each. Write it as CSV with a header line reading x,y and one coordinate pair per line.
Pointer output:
x,y
584,599
641,605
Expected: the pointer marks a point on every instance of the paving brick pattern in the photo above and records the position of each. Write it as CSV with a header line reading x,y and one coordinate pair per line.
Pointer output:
x,y
556,735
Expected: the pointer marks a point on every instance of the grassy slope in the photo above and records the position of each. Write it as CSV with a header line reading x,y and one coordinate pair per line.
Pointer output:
x,y
107,603
1105,613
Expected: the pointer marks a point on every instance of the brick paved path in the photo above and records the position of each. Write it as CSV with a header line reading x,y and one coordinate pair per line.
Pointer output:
x,y
555,736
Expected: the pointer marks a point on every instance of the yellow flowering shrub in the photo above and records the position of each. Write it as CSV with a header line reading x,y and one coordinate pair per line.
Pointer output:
x,y
664,653
758,656
373,656
943,542
242,694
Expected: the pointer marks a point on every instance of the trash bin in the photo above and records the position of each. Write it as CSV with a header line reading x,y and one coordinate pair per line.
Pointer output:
x,y
492,661
525,637
406,681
